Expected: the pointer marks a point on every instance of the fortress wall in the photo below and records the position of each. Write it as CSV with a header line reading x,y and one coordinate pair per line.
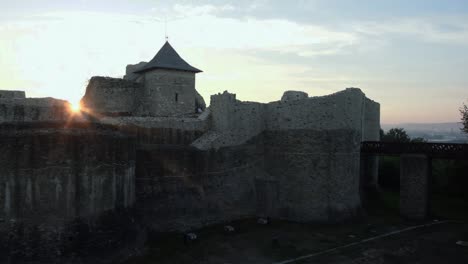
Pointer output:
x,y
371,130
233,122
312,153
197,124
64,172
33,109
336,111
153,130
111,96
181,188
52,176
296,159
370,163
131,68
164,135
245,119
7,94
162,88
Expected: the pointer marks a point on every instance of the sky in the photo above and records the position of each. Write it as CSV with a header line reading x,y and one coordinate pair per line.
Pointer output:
x,y
410,56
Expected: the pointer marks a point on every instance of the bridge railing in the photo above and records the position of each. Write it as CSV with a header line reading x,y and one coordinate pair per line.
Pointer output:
x,y
441,150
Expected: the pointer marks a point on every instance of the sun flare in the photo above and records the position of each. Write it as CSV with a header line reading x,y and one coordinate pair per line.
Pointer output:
x,y
75,107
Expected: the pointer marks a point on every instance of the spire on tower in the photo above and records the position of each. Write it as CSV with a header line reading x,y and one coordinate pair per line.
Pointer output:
x,y
165,28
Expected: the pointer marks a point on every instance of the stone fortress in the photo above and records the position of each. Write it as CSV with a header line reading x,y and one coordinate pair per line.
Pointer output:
x,y
146,154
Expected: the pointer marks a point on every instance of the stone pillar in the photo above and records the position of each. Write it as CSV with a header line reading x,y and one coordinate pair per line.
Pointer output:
x,y
369,186
414,186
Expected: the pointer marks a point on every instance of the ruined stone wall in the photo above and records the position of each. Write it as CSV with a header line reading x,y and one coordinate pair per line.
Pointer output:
x,y
295,159
33,109
292,159
312,152
180,188
201,122
232,122
168,93
371,115
370,163
56,173
112,96
6,94
160,130
130,71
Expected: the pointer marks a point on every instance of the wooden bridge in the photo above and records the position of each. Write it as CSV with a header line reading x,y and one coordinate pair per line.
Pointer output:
x,y
415,169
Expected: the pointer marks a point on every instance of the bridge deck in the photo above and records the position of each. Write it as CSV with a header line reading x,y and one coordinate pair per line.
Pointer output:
x,y
436,150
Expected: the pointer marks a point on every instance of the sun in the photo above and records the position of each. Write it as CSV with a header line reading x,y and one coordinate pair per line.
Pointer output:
x,y
75,107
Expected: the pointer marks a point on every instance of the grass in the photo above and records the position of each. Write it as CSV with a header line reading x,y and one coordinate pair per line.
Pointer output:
x,y
448,207
279,240
390,200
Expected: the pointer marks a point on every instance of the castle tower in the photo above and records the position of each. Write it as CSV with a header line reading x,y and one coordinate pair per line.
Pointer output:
x,y
169,84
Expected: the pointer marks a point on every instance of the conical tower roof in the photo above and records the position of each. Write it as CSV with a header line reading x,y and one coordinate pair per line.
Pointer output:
x,y
167,58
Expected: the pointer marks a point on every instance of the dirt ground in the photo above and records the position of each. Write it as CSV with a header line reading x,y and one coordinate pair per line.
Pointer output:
x,y
280,241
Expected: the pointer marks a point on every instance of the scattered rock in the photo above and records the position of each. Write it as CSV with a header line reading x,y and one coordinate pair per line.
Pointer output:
x,y
190,237
229,229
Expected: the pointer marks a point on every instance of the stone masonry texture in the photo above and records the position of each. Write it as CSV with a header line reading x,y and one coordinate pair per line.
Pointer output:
x,y
414,186
146,155
297,160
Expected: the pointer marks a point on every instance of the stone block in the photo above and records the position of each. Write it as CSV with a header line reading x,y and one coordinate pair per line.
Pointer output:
x,y
414,186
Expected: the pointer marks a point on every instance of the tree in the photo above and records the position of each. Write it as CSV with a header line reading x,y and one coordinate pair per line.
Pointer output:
x,y
396,135
418,140
389,167
464,118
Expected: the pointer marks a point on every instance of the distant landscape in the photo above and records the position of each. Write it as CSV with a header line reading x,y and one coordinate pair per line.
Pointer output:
x,y
433,132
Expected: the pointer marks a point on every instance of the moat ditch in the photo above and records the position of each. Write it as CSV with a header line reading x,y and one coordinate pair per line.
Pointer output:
x,y
353,242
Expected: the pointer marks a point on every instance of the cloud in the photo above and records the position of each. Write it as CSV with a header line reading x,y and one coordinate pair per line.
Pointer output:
x,y
199,10
256,49
442,29
55,50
